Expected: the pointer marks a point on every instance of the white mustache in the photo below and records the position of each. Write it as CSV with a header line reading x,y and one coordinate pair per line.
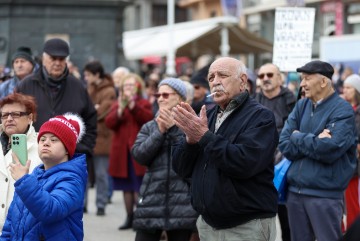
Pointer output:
x,y
218,88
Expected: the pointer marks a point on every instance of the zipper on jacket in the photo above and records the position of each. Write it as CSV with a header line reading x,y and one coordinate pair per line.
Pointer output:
x,y
142,195
299,125
167,187
203,184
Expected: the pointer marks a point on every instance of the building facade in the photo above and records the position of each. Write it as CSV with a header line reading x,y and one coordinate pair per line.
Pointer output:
x,y
332,17
93,28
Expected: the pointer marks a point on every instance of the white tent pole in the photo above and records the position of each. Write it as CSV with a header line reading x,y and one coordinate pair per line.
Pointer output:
x,y
225,47
170,60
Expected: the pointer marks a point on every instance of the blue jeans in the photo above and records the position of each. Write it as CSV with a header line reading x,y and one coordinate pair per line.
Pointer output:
x,y
101,164
255,230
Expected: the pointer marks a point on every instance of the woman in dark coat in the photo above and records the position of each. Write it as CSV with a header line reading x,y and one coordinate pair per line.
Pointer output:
x,y
164,199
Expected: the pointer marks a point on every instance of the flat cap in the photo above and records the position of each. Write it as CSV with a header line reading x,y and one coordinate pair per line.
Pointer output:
x,y
56,47
317,67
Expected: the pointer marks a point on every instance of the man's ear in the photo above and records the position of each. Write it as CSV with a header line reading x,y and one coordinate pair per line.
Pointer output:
x,y
244,77
324,81
244,81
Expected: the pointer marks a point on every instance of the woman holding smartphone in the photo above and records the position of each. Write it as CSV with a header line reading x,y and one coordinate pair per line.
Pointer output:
x,y
17,113
48,203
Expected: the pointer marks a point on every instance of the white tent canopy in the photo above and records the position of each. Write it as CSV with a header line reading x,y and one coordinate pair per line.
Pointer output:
x,y
193,39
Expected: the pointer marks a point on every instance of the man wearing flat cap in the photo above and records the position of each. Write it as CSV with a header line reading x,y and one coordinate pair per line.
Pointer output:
x,y
319,137
23,64
57,92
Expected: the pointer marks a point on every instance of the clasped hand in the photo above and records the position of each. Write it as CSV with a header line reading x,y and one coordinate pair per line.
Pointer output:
x,y
192,125
325,134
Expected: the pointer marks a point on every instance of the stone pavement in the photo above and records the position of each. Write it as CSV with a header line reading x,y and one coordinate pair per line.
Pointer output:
x,y
105,228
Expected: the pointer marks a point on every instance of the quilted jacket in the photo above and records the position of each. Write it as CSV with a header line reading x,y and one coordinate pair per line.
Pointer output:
x,y
48,205
164,198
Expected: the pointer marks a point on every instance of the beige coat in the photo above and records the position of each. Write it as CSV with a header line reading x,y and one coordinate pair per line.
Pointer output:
x,y
6,181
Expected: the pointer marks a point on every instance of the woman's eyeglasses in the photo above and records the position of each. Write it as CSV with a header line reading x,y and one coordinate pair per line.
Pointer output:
x,y
269,75
165,95
14,115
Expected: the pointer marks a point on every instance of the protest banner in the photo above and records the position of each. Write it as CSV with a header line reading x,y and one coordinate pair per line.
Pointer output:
x,y
293,37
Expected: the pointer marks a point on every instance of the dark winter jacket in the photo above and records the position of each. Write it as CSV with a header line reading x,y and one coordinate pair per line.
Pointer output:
x,y
72,97
232,171
164,199
281,105
48,205
321,167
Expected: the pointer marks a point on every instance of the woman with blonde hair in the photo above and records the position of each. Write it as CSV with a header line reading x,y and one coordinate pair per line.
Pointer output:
x,y
127,114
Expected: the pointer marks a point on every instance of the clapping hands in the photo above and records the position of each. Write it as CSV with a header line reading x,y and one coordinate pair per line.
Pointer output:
x,y
164,120
192,125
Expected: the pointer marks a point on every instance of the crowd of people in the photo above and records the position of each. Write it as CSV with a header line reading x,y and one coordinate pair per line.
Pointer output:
x,y
193,155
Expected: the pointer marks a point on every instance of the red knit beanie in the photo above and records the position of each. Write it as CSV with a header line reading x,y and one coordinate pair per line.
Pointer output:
x,y
69,128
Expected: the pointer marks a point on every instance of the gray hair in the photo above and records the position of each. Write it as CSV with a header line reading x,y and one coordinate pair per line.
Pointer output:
x,y
189,92
121,69
241,69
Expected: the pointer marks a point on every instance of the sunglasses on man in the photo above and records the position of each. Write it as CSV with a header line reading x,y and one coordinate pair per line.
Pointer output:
x,y
269,75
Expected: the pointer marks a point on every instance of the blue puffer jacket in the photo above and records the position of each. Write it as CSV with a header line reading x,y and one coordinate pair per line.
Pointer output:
x,y
48,205
321,167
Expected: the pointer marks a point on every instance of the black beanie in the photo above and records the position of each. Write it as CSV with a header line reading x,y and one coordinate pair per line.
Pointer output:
x,y
25,53
200,77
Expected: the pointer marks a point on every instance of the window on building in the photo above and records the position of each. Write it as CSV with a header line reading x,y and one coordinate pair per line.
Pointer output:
x,y
159,15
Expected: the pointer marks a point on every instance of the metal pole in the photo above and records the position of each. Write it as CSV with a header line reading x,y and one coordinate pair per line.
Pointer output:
x,y
170,60
225,47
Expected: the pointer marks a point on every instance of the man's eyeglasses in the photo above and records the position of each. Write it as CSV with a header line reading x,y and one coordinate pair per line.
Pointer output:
x,y
14,115
269,75
164,95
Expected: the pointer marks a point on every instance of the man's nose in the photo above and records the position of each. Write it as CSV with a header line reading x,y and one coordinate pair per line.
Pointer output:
x,y
302,83
46,142
216,80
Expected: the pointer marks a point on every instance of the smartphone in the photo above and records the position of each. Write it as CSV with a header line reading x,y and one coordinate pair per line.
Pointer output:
x,y
19,147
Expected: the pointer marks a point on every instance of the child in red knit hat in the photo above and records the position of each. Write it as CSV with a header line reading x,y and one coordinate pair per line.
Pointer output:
x,y
48,203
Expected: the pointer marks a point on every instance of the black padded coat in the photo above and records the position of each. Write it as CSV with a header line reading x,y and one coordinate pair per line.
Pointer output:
x,y
164,198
